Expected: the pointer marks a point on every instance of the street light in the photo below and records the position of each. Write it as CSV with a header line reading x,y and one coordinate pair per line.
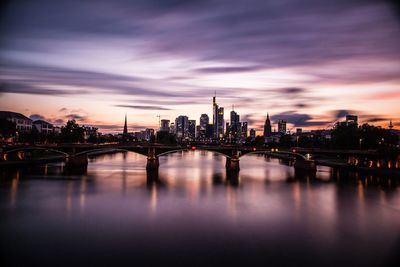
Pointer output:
x,y
361,142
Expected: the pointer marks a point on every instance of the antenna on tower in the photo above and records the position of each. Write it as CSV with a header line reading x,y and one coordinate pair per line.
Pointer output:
x,y
390,125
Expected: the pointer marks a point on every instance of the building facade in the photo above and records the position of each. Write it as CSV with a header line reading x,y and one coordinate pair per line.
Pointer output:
x,y
267,127
23,124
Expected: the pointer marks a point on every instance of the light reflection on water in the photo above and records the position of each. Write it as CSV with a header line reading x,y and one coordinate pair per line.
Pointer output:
x,y
193,212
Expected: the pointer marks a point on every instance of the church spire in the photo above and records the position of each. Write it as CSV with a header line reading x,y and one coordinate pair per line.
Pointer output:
x,y
125,133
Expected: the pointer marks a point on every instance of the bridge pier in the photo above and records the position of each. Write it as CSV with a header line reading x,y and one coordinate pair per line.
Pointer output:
x,y
308,166
76,164
152,159
152,163
232,164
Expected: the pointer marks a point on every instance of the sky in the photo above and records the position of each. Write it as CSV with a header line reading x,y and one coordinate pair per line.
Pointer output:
x,y
308,62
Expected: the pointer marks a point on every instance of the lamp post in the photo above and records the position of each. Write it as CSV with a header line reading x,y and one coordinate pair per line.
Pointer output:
x,y
361,142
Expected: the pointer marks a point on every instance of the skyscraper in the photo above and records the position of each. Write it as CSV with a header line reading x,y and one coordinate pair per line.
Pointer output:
x,y
220,122
244,130
252,134
164,126
235,125
267,127
215,116
192,129
204,121
282,126
182,127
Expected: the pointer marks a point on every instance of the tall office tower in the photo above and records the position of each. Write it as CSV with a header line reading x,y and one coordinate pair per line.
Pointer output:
x,y
244,130
204,121
172,129
267,127
192,129
215,117
220,120
164,126
235,120
282,126
252,134
182,127
227,129
148,133
198,132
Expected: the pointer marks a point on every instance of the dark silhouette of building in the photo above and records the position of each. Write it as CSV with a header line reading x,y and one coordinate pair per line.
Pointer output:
x,y
220,122
22,123
209,131
43,126
244,130
125,132
204,121
351,120
192,129
252,134
235,130
267,127
215,117
282,126
182,127
164,126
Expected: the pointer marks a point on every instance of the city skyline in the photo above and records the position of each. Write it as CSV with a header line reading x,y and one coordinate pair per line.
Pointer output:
x,y
302,64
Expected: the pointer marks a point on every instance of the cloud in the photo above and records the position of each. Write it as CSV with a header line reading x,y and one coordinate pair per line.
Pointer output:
x,y
292,90
76,117
218,70
341,113
298,119
58,121
42,79
142,107
36,117
25,88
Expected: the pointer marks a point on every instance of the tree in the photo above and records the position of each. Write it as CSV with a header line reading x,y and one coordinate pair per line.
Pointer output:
x,y
72,132
364,137
166,138
346,136
7,128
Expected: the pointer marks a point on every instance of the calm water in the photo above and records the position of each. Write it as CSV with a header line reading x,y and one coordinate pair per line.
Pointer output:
x,y
195,215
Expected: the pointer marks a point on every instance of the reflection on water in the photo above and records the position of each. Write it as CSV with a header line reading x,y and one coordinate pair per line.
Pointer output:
x,y
192,212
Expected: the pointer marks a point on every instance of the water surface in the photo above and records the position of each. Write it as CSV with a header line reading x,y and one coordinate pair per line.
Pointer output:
x,y
196,214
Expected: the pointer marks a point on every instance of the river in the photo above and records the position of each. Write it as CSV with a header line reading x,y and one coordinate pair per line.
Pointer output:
x,y
193,214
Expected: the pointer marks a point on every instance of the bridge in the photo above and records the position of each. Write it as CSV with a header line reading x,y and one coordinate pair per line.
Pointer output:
x,y
76,155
